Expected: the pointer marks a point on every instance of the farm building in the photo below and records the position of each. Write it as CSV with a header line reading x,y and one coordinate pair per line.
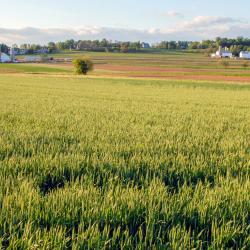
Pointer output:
x,y
145,45
41,51
32,59
4,58
223,53
245,54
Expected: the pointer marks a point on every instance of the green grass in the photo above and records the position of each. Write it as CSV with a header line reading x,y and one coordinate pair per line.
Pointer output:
x,y
123,164
31,68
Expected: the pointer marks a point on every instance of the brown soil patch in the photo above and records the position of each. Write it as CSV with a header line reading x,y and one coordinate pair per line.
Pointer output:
x,y
201,77
127,68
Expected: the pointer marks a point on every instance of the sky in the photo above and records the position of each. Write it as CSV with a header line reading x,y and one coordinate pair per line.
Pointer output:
x,y
33,21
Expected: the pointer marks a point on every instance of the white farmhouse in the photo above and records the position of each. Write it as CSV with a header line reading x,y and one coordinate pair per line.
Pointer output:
x,y
245,54
4,58
224,53
32,59
145,45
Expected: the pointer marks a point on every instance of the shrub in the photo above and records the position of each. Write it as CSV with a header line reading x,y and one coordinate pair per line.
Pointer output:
x,y
245,64
225,64
83,66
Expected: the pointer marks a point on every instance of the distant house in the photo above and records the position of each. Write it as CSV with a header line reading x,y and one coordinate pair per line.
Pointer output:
x,y
23,51
32,59
223,53
245,54
41,51
14,51
17,51
4,58
145,45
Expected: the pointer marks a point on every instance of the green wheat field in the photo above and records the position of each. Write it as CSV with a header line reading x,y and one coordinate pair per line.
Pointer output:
x,y
91,163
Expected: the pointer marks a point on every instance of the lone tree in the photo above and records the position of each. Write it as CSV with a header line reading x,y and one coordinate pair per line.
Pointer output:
x,y
225,63
83,66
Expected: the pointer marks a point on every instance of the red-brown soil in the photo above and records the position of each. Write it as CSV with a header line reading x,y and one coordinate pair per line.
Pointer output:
x,y
137,73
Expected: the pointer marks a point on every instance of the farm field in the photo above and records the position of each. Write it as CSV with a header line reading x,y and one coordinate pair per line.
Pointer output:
x,y
168,65
107,163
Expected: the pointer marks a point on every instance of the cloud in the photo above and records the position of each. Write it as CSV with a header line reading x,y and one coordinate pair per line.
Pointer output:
x,y
200,27
207,27
172,13
206,21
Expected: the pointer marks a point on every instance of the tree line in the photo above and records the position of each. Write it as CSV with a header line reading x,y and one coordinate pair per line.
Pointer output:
x,y
234,45
88,45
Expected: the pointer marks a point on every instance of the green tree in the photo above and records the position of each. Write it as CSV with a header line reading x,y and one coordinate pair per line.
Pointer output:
x,y
4,48
172,45
236,49
83,66
124,47
104,43
70,44
194,45
35,46
61,45
51,46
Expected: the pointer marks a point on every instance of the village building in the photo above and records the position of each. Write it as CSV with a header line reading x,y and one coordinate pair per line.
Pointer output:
x,y
42,51
145,45
244,55
4,58
223,53
32,59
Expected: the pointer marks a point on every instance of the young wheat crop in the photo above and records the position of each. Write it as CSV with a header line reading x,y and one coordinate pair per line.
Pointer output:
x,y
123,164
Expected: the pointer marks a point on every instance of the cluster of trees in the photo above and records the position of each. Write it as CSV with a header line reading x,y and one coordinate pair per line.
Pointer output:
x,y
172,45
97,45
30,48
4,48
88,45
234,45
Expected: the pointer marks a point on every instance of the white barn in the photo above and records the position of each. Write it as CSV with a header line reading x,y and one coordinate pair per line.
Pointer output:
x,y
4,58
245,54
145,45
223,53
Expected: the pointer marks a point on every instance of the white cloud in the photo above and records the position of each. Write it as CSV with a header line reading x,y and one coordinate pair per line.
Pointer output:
x,y
206,21
200,27
173,13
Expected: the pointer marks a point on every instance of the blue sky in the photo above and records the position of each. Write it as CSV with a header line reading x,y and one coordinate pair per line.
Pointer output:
x,y
42,21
